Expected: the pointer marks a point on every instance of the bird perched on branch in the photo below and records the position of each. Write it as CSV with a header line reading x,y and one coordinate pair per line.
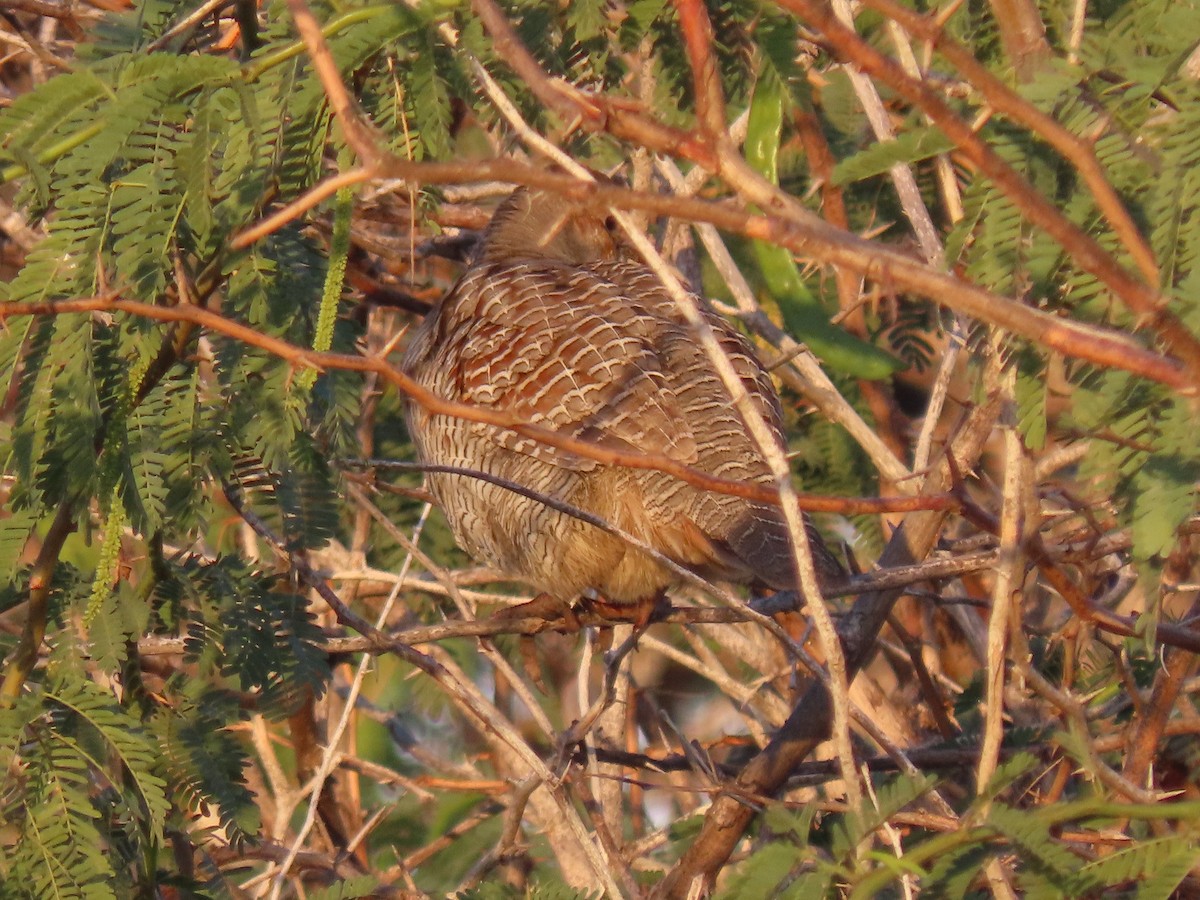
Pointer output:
x,y
551,325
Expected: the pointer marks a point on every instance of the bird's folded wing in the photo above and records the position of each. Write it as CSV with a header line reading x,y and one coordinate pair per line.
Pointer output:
x,y
562,348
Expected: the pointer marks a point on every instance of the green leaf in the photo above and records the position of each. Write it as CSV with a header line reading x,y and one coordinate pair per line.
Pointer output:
x,y
911,146
760,875
1157,866
127,739
803,315
1164,495
15,531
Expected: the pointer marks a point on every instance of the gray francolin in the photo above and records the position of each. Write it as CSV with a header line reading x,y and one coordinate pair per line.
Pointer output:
x,y
550,324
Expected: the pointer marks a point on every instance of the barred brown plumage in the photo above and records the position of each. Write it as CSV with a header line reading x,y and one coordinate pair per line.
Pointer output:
x,y
550,324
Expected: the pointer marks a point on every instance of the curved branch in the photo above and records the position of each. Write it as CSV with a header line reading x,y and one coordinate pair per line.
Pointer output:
x,y
302,356
794,227
818,240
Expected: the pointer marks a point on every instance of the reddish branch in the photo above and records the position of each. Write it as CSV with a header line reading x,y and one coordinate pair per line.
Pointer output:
x,y
1182,566
698,39
1067,587
301,356
813,238
594,112
34,631
1023,35
1084,250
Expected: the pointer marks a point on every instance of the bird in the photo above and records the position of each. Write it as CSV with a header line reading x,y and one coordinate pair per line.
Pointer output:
x,y
554,323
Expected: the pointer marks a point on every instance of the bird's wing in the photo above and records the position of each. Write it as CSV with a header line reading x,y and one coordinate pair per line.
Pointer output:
x,y
690,375
561,347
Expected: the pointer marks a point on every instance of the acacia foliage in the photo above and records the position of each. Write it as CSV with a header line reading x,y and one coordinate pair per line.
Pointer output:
x,y
159,442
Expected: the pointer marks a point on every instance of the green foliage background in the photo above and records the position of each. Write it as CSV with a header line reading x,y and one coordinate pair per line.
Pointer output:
x,y
147,157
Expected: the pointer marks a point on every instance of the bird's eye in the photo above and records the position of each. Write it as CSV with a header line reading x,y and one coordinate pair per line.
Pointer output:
x,y
610,223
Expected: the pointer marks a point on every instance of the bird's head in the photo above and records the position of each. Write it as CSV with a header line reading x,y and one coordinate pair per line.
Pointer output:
x,y
543,225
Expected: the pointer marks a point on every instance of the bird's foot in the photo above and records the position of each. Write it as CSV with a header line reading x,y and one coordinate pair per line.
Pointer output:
x,y
548,608
639,613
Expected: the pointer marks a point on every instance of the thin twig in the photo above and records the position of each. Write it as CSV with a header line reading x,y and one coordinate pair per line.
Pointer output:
x,y
1007,583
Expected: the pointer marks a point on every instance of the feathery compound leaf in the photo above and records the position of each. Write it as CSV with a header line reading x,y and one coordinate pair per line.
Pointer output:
x,y
46,799
760,876
1048,865
1157,866
1164,494
126,738
890,798
350,889
430,109
15,531
204,763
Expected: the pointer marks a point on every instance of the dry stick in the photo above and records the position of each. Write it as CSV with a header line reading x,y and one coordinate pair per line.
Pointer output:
x,y
511,831
284,804
550,814
489,650
292,211
195,17
496,729
820,771
332,740
907,880
1085,250
823,394
470,700
158,645
901,174
546,817
743,696
698,40
946,176
957,335
1076,717
925,680
808,724
1006,584
1169,634
1075,36
51,8
610,725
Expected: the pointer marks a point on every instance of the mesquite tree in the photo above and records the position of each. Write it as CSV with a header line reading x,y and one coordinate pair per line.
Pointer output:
x,y
242,654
